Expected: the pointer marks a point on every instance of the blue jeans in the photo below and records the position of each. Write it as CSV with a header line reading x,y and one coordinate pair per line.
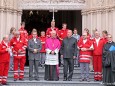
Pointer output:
x,y
84,70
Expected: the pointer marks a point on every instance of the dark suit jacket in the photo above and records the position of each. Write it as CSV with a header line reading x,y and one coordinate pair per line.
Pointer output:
x,y
69,47
31,46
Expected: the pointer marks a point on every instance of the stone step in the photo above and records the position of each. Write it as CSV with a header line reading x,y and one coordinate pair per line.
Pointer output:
x,y
52,83
75,75
75,80
60,71
61,68
60,78
42,70
42,78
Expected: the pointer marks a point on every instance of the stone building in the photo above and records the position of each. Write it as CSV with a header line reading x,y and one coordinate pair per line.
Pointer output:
x,y
98,14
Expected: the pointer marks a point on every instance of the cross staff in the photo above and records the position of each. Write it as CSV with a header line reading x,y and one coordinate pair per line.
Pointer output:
x,y
53,14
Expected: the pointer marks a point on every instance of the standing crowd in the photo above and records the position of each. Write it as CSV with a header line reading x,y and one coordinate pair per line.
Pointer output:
x,y
92,53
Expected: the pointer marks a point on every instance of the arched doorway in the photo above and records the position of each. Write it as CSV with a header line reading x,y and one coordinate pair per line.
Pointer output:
x,y
41,19
68,11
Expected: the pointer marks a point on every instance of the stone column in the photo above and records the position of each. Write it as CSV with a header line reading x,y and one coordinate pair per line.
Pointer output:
x,y
99,20
110,22
2,23
103,23
107,19
84,20
94,20
15,19
8,21
19,18
113,22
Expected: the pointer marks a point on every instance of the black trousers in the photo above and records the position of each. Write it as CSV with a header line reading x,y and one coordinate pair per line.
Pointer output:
x,y
68,64
51,73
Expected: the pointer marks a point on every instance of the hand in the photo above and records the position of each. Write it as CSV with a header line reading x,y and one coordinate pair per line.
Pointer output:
x,y
43,42
6,49
61,39
52,52
35,51
83,49
19,51
61,56
74,57
9,50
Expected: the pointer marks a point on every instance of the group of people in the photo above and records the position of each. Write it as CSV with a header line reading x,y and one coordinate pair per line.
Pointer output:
x,y
90,53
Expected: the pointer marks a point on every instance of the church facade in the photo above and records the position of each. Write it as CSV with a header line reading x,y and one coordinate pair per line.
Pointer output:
x,y
96,14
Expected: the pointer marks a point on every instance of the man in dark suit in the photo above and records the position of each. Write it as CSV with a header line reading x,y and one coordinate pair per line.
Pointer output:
x,y
34,47
68,53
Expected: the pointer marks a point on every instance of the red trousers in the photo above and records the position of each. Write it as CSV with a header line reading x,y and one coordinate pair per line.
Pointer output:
x,y
97,61
4,68
19,62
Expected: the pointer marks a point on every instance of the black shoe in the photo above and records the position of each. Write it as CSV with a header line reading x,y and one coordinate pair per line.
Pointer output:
x,y
47,79
21,79
69,79
95,80
81,80
91,70
87,80
37,79
30,79
4,84
15,79
65,79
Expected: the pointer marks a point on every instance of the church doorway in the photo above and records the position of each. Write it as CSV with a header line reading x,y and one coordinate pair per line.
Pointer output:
x,y
41,20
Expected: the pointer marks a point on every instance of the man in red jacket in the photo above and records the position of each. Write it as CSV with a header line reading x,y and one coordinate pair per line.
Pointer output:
x,y
85,46
23,32
42,51
19,46
49,30
105,34
5,52
30,36
98,44
63,32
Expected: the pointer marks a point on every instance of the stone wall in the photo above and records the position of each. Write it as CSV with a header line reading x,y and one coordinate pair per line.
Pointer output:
x,y
10,16
99,14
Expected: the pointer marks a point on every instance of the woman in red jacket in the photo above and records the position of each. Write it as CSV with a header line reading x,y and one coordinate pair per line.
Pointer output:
x,y
5,52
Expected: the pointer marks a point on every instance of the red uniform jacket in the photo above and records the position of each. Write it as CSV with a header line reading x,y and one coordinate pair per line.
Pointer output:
x,y
105,40
4,55
98,49
85,55
43,39
23,33
18,45
91,40
30,37
48,32
62,34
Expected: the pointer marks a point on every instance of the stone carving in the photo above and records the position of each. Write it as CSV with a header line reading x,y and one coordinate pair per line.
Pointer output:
x,y
100,2
8,3
49,4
